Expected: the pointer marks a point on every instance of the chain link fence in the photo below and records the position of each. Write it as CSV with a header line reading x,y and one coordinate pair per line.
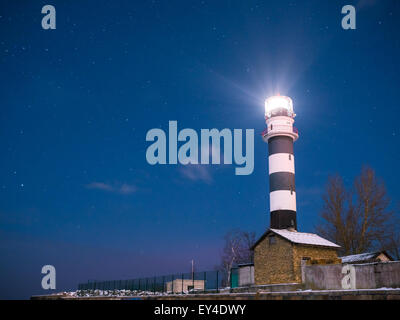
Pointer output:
x,y
181,283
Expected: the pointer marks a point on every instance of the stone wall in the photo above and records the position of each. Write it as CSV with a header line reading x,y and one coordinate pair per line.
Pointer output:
x,y
273,263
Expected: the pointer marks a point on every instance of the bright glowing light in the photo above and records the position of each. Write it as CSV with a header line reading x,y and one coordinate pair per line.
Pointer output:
x,y
278,103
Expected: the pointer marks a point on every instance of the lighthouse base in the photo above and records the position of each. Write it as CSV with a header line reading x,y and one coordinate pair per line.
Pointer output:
x,y
283,219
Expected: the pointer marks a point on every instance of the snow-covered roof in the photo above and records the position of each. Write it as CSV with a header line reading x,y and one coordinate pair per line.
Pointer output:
x,y
304,238
360,257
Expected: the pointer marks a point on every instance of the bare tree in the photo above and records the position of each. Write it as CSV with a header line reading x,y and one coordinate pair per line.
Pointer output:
x,y
372,210
391,243
236,250
337,215
358,219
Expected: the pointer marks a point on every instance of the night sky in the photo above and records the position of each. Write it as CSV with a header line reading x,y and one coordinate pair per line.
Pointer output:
x,y
76,103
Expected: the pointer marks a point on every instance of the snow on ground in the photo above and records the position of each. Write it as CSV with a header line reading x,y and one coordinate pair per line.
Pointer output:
x,y
111,293
133,293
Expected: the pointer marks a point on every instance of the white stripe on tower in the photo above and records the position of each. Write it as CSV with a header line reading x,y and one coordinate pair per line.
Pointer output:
x,y
282,200
281,162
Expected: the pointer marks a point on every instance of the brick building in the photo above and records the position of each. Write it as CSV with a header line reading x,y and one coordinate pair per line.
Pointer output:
x,y
279,254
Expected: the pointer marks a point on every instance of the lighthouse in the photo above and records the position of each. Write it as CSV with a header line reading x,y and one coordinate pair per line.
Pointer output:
x,y
281,251
280,135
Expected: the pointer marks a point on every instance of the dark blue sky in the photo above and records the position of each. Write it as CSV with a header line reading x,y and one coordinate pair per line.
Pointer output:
x,y
76,104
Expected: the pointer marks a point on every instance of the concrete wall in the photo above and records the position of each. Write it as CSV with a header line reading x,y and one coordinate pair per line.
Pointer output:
x,y
282,287
323,277
297,295
368,276
246,276
301,252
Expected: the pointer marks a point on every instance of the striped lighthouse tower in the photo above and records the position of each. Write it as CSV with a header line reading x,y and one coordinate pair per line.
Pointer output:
x,y
280,135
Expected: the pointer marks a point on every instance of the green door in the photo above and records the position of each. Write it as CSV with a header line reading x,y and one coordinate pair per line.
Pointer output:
x,y
234,278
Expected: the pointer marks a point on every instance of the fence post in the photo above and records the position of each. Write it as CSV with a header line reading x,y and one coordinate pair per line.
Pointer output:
x,y
205,279
182,282
163,284
154,285
217,282
172,284
230,280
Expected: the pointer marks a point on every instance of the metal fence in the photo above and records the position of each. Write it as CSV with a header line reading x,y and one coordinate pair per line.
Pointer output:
x,y
181,283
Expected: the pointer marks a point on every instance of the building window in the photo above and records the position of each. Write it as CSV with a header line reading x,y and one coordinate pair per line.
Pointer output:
x,y
291,190
272,240
290,157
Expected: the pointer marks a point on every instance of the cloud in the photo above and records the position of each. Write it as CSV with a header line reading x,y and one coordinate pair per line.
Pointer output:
x,y
365,3
310,191
127,189
196,172
99,186
116,188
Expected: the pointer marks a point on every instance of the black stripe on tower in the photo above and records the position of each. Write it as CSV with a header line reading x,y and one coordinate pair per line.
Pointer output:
x,y
280,144
283,219
281,181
